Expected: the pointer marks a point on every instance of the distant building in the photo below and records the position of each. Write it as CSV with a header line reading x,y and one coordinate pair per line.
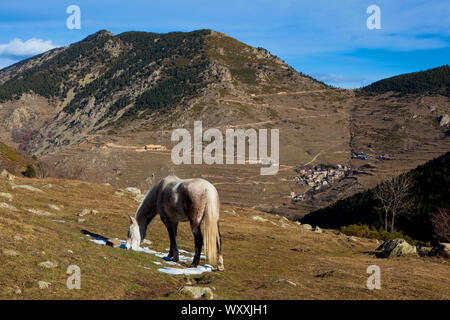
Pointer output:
x,y
154,147
360,156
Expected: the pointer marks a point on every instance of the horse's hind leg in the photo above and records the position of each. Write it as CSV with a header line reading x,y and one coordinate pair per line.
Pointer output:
x,y
198,240
219,247
173,252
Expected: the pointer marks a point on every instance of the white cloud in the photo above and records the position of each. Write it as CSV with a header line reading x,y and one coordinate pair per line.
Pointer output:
x,y
33,46
336,78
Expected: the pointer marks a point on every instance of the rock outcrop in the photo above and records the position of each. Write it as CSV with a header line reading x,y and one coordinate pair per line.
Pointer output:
x,y
395,248
444,120
442,250
198,292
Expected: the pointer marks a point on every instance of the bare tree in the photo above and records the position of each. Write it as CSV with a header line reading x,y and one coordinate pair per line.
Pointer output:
x,y
394,196
441,224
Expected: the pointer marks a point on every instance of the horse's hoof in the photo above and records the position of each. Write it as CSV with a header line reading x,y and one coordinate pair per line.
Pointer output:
x,y
192,265
221,268
174,259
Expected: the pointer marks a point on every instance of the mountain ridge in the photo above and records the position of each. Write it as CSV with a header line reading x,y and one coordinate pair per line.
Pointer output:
x,y
114,79
107,96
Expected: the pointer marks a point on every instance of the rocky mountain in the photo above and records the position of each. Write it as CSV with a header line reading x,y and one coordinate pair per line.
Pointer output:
x,y
87,111
108,82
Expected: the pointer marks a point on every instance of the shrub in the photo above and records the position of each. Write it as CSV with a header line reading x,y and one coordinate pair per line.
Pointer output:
x,y
440,221
363,231
30,172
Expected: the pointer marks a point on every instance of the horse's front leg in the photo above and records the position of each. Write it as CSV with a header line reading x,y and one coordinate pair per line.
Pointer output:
x,y
198,241
173,252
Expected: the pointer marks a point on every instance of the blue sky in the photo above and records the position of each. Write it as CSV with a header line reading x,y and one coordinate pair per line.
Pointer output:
x,y
328,40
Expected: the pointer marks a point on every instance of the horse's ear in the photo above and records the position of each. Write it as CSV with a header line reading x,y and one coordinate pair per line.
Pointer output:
x,y
132,220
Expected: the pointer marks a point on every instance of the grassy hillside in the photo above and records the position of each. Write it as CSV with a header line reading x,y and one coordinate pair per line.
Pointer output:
x,y
431,190
13,160
265,259
432,80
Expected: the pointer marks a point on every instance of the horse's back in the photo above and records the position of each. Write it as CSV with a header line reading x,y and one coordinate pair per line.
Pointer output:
x,y
183,195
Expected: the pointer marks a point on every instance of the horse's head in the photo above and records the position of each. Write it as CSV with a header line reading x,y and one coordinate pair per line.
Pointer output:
x,y
134,235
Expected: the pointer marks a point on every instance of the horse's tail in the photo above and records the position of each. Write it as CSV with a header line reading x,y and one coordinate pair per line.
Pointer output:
x,y
211,218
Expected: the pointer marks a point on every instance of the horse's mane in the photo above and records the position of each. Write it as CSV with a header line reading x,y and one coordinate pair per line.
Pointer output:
x,y
147,209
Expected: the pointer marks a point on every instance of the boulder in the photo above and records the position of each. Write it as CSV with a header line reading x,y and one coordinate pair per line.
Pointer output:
x,y
423,251
198,292
444,120
307,226
84,212
442,250
395,248
48,264
87,211
258,218
317,229
44,284
6,195
133,190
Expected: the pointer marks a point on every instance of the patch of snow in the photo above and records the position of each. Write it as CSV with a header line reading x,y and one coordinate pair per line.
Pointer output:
x,y
186,271
98,241
168,270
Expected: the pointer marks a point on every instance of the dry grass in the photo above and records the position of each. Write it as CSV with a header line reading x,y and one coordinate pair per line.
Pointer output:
x,y
257,254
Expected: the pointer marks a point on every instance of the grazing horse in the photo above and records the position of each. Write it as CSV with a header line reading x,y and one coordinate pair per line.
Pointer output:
x,y
175,200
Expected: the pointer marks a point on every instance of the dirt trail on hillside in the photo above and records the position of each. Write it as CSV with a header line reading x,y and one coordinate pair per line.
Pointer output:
x,y
313,159
290,92
134,148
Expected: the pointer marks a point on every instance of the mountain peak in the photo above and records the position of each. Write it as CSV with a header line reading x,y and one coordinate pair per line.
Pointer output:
x,y
99,35
105,81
